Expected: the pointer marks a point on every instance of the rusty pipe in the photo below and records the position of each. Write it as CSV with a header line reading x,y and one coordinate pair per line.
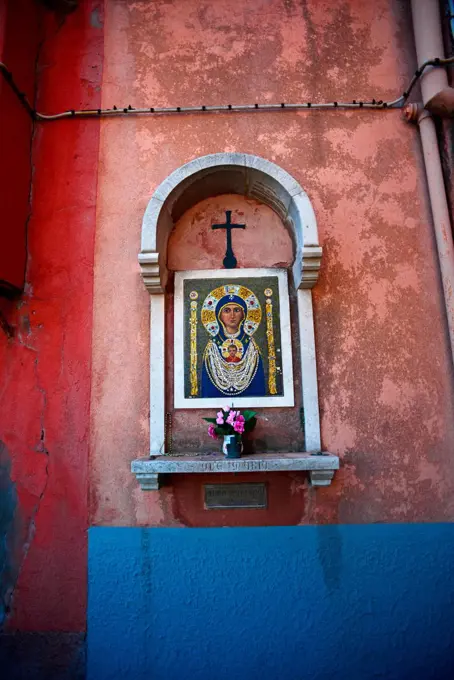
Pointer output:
x,y
440,214
437,95
427,31
429,44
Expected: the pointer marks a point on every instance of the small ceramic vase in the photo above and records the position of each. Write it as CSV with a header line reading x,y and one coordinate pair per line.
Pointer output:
x,y
232,446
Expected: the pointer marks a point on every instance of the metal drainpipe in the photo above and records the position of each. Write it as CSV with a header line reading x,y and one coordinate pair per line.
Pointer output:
x,y
429,44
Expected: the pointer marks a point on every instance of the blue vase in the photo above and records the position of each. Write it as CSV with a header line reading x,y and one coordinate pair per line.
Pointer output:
x,y
232,446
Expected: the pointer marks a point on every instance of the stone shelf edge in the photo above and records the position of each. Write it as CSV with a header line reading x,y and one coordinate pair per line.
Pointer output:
x,y
321,467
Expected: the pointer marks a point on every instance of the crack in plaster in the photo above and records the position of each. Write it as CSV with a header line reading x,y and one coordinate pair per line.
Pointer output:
x,y
5,326
40,446
9,596
8,599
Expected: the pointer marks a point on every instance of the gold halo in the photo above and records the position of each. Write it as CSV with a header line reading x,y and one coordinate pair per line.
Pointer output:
x,y
226,344
254,310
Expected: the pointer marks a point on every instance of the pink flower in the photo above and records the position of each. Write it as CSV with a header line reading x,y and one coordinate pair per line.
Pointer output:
x,y
211,432
231,417
220,418
226,409
238,425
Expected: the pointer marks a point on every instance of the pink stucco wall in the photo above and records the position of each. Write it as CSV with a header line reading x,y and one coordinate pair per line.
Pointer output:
x,y
264,243
385,375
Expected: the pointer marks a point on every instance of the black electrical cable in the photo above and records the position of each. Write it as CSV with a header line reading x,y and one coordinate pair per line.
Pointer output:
x,y
20,95
91,113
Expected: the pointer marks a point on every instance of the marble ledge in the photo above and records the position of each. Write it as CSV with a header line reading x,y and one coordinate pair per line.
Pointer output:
x,y
321,467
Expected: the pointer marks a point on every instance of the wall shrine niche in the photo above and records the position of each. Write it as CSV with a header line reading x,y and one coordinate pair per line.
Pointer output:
x,y
232,339
232,327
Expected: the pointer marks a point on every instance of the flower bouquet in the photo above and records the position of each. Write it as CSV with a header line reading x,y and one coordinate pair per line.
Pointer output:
x,y
231,425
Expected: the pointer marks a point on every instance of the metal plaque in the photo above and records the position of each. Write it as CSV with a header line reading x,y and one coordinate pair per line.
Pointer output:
x,y
227,496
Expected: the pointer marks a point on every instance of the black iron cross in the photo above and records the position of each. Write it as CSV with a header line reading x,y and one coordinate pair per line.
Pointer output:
x,y
229,260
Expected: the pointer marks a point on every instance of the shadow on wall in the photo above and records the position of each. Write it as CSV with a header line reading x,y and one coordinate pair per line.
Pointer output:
x,y
42,656
8,535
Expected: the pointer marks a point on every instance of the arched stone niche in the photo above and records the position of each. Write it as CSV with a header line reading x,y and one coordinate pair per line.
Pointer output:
x,y
250,176
265,242
229,173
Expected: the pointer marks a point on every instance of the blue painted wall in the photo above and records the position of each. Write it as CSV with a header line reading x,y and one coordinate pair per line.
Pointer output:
x,y
275,603
9,533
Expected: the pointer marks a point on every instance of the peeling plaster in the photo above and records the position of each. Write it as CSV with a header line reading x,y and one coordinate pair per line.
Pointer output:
x,y
378,312
34,476
45,389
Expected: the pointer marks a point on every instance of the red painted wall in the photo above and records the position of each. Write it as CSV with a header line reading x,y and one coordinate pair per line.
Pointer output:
x,y
44,420
19,38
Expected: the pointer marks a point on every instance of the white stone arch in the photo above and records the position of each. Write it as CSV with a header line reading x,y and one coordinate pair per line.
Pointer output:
x,y
257,178
229,173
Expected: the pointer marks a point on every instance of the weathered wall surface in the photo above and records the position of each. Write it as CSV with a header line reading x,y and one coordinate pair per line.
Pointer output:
x,y
384,369
45,379
74,390
16,18
264,243
15,175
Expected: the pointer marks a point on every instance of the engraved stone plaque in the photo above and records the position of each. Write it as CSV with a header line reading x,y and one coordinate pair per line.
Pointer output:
x,y
227,496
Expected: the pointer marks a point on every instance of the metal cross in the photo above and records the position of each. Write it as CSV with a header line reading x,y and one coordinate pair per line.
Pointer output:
x,y
229,260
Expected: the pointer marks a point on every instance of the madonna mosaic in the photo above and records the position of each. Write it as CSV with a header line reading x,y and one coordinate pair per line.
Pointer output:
x,y
232,338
